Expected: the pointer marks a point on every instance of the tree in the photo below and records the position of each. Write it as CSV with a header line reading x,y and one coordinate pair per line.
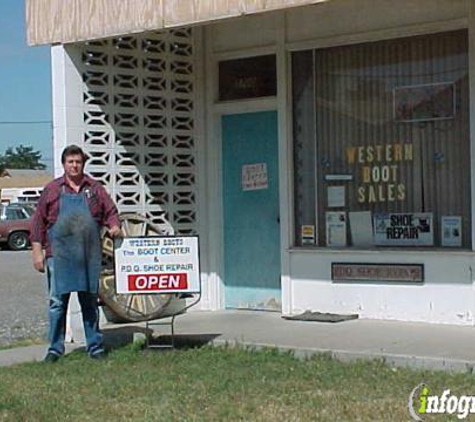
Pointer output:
x,y
23,157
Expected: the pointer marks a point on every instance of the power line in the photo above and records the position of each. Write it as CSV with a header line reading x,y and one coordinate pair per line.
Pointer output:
x,y
26,122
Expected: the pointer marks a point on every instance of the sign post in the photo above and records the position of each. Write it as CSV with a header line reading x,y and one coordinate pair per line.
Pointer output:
x,y
158,265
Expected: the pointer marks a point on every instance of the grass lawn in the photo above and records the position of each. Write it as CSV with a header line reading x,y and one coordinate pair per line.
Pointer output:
x,y
214,384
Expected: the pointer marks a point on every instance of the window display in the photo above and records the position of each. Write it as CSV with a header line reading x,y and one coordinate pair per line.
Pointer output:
x,y
382,129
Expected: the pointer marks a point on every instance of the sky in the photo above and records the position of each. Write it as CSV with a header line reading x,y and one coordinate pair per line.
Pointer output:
x,y
25,85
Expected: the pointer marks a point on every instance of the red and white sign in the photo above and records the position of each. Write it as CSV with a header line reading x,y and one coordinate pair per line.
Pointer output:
x,y
157,282
157,265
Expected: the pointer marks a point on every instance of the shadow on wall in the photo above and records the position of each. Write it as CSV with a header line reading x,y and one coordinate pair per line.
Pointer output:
x,y
139,123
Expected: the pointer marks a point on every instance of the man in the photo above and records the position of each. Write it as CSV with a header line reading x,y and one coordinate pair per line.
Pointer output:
x,y
67,222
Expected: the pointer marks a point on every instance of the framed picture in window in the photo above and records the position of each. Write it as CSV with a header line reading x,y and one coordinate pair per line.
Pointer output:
x,y
421,103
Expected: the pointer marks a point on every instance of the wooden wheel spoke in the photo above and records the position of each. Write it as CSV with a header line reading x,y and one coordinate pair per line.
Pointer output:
x,y
143,229
125,228
131,307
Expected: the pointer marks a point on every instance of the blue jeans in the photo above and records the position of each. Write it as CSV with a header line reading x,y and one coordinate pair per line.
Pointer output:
x,y
58,306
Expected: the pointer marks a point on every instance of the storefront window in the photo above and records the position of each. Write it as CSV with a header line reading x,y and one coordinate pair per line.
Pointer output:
x,y
381,144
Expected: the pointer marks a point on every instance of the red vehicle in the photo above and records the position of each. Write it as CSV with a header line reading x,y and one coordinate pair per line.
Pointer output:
x,y
15,225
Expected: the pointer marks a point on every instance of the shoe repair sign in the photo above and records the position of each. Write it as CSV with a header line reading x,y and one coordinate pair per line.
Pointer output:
x,y
403,229
157,265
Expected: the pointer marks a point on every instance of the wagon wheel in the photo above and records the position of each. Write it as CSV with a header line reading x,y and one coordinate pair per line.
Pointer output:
x,y
129,307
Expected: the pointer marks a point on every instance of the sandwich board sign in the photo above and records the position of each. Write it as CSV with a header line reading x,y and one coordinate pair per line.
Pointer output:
x,y
159,264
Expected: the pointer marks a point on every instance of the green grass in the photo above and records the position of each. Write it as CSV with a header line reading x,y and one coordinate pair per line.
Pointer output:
x,y
213,384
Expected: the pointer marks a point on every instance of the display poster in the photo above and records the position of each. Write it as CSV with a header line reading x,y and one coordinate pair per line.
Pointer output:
x,y
336,228
254,177
423,103
336,196
308,235
403,229
451,231
361,228
157,265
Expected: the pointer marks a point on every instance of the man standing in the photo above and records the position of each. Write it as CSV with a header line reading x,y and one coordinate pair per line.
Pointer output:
x,y
67,222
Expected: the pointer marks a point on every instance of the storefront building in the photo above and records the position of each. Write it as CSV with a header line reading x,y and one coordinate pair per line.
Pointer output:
x,y
323,153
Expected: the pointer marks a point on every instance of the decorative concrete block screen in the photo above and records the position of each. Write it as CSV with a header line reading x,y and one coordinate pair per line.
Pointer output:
x,y
139,120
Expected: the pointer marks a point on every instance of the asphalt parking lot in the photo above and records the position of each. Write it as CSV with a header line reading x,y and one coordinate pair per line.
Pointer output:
x,y
23,298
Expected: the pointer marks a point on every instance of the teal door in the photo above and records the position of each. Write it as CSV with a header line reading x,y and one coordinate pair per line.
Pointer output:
x,y
251,211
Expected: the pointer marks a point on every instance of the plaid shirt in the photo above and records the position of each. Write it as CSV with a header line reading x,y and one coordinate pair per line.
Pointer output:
x,y
100,204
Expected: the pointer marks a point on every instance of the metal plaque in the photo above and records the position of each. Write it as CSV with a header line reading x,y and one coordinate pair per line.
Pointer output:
x,y
412,273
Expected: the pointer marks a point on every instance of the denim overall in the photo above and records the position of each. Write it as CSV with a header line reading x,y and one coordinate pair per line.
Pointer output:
x,y
75,267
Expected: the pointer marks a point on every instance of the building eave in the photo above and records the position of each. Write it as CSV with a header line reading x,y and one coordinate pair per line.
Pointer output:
x,y
67,21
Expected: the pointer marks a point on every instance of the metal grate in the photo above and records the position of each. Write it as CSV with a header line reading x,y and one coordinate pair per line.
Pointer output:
x,y
139,123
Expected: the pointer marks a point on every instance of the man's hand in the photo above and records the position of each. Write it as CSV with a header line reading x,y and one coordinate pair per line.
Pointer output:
x,y
115,231
38,257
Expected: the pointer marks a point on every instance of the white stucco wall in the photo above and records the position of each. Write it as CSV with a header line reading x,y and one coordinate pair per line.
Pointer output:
x,y
446,296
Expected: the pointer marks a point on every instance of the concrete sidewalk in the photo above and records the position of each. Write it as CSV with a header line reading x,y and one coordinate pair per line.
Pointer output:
x,y
417,345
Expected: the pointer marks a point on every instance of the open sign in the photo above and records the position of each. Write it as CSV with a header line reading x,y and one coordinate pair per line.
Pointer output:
x,y
157,282
173,267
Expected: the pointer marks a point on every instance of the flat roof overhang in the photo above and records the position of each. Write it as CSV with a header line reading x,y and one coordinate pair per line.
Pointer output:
x,y
67,21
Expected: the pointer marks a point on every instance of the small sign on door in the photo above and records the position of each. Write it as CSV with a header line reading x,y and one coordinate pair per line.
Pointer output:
x,y
254,176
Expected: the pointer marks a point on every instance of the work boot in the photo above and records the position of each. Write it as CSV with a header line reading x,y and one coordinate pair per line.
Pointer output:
x,y
51,357
98,356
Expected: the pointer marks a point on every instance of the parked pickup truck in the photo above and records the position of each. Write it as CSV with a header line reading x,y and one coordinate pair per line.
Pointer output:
x,y
15,225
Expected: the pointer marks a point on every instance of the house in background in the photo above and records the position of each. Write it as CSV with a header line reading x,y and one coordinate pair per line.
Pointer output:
x,y
22,185
323,151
